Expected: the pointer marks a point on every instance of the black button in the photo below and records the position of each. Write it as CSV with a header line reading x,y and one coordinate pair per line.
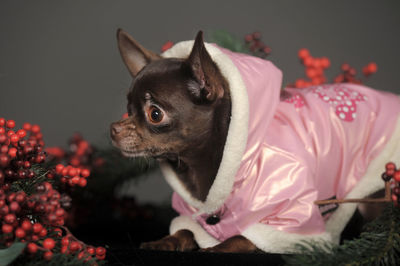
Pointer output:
x,y
213,219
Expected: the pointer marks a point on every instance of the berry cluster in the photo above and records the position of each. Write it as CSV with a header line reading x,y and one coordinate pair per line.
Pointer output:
x,y
32,211
348,73
70,245
70,175
256,46
166,46
315,67
18,153
80,159
393,173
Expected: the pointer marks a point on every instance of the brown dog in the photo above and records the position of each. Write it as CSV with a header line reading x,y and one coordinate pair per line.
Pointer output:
x,y
179,112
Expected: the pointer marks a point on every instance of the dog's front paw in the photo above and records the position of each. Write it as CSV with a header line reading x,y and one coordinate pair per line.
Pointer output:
x,y
212,249
167,243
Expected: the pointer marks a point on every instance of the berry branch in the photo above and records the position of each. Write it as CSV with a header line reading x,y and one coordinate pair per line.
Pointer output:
x,y
390,194
32,210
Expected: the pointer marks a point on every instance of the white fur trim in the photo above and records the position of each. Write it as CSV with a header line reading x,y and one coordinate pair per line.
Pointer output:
x,y
370,183
271,240
236,139
203,239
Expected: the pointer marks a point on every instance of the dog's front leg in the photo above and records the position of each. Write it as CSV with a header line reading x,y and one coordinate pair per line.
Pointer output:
x,y
235,244
182,240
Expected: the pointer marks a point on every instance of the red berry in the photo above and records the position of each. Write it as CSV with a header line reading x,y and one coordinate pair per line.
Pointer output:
x,y
325,62
59,168
396,176
43,233
27,165
248,37
82,182
300,83
85,173
64,171
11,196
394,198
100,251
20,197
4,210
14,207
10,218
32,248
311,73
72,172
39,136
47,186
49,243
166,46
3,138
345,67
20,233
10,123
26,225
303,53
2,122
50,175
4,160
21,133
75,161
81,255
64,249
2,130
372,67
48,255
396,191
390,166
316,63
7,229
125,115
308,61
75,180
91,250
101,257
74,246
12,152
65,241
27,127
37,227
35,129
60,212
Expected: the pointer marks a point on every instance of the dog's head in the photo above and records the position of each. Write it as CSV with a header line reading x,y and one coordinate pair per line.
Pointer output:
x,y
171,102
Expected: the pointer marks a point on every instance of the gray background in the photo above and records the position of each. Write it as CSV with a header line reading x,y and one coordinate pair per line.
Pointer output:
x,y
60,68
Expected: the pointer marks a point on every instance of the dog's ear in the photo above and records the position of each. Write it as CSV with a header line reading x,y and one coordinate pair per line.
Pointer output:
x,y
133,54
205,72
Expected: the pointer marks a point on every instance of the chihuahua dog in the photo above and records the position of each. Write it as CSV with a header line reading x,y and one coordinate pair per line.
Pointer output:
x,y
179,112
246,161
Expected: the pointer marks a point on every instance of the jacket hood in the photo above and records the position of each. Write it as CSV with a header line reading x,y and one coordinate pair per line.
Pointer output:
x,y
255,86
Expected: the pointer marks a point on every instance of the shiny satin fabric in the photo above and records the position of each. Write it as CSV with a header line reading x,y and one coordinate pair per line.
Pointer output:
x,y
314,143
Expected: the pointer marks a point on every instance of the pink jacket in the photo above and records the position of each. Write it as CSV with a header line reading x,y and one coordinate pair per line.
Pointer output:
x,y
285,151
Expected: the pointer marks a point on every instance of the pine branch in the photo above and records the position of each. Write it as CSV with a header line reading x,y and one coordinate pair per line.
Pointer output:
x,y
228,41
57,260
378,245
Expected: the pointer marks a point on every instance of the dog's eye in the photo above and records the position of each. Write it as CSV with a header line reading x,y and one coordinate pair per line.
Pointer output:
x,y
155,115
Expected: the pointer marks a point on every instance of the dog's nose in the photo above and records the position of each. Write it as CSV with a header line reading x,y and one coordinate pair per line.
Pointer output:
x,y
116,128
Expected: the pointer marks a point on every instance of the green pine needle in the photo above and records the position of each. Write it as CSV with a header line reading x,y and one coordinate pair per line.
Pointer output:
x,y
378,245
228,41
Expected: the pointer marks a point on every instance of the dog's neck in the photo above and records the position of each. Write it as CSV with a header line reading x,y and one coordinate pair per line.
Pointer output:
x,y
197,168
